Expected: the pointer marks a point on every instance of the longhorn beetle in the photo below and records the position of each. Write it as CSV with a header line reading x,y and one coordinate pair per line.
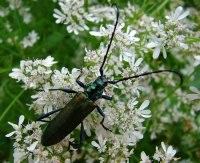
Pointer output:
x,y
83,103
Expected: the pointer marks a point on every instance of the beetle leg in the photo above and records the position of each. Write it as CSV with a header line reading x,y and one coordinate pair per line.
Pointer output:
x,y
77,145
106,97
103,115
46,115
64,90
82,134
78,81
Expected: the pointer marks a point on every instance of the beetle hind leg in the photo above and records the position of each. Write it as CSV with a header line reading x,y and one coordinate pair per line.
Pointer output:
x,y
106,97
103,115
78,145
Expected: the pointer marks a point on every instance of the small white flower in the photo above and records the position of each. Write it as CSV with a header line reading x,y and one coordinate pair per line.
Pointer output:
x,y
60,17
159,45
178,14
32,146
144,113
17,128
48,62
166,154
197,60
102,144
195,95
144,158
169,152
30,40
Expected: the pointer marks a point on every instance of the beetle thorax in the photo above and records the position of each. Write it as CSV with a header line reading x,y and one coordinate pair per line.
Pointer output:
x,y
94,90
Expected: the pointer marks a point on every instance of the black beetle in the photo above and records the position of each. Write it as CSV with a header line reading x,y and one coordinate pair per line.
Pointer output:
x,y
83,103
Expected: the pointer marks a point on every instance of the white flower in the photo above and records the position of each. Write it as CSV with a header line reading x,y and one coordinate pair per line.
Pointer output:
x,y
4,12
17,128
48,62
73,15
15,4
159,45
102,143
195,95
144,158
25,13
32,146
60,17
169,152
99,13
166,154
122,40
178,14
144,113
197,60
30,40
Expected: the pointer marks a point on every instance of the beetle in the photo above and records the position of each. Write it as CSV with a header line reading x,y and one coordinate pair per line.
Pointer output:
x,y
83,103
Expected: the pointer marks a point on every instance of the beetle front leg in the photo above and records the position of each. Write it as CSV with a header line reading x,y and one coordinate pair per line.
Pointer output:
x,y
103,115
79,82
46,115
61,89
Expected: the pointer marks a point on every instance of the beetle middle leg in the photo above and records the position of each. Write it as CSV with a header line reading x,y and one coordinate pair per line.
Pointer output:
x,y
64,90
46,115
103,115
106,97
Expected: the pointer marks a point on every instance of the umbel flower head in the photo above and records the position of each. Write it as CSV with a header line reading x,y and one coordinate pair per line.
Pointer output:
x,y
117,118
124,115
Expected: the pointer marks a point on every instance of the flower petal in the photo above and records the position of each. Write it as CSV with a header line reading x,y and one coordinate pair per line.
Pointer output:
x,y
21,120
10,134
156,53
144,104
32,146
95,144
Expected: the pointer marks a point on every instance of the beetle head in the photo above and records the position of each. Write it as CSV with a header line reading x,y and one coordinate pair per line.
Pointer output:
x,y
94,90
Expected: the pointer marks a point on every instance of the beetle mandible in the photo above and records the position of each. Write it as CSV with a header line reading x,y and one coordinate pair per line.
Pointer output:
x,y
83,103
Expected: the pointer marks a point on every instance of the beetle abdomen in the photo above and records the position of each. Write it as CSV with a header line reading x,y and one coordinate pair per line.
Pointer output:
x,y
67,119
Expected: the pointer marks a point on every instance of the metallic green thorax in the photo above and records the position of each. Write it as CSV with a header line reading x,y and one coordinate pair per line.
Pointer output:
x,y
94,90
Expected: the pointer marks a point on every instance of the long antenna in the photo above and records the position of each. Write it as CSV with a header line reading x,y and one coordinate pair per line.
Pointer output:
x,y
148,73
109,45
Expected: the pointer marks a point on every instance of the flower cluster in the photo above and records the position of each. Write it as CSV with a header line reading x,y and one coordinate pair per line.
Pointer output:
x,y
33,73
162,155
74,15
27,144
168,35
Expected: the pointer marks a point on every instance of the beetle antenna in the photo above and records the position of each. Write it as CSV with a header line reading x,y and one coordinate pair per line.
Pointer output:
x,y
111,39
148,73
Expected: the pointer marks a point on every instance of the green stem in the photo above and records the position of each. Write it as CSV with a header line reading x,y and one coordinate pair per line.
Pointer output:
x,y
11,104
161,6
